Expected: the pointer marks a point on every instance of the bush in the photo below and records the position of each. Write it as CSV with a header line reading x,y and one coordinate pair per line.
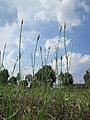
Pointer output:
x,y
66,78
4,75
46,75
13,80
87,78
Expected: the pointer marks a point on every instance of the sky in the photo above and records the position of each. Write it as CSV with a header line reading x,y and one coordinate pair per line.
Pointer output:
x,y
45,17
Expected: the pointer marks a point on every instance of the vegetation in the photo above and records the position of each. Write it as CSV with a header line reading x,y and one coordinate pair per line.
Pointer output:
x,y
41,101
87,78
46,75
4,75
13,80
63,79
44,103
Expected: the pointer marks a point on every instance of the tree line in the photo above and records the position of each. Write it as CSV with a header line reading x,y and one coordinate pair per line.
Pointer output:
x,y
45,76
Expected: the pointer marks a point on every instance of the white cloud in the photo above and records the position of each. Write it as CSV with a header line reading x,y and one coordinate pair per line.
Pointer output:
x,y
79,64
86,58
8,34
53,43
84,5
42,15
9,61
30,36
58,10
64,10
26,9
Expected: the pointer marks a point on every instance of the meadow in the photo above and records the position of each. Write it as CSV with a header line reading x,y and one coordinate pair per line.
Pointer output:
x,y
42,103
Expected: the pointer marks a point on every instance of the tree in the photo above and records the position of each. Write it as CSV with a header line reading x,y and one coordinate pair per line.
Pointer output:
x,y
46,75
64,80
13,80
4,75
87,78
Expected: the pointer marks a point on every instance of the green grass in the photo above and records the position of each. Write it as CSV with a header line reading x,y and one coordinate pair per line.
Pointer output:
x,y
44,103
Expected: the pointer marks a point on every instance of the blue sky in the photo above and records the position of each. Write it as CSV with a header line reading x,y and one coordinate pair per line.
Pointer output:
x,y
44,17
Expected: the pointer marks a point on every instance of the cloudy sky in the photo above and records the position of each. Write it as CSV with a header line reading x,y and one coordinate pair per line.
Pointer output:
x,y
44,17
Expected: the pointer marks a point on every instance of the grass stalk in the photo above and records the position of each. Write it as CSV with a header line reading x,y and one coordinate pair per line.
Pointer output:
x,y
45,56
34,63
20,48
56,53
3,55
41,55
48,55
66,55
42,111
71,54
15,64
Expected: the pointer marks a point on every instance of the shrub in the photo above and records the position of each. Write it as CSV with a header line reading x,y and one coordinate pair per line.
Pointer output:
x,y
66,78
46,75
87,78
4,75
13,80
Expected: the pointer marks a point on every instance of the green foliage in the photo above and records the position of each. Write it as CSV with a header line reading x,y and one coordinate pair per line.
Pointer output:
x,y
4,75
46,75
44,103
87,78
9,109
42,110
18,77
23,83
13,80
66,78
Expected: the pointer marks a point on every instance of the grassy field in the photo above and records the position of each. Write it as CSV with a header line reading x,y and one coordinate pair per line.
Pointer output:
x,y
44,103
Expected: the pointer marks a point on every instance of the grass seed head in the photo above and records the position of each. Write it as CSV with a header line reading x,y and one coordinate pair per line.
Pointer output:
x,y
49,48
38,37
61,57
64,25
22,22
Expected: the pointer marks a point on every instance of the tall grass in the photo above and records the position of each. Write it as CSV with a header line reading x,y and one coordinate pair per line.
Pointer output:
x,y
41,55
19,52
56,53
66,54
43,103
33,58
14,67
45,55
3,56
